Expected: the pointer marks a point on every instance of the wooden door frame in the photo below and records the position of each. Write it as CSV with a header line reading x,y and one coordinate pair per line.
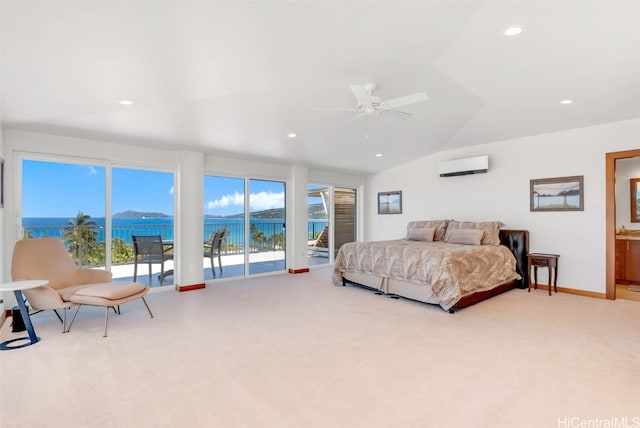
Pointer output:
x,y
610,197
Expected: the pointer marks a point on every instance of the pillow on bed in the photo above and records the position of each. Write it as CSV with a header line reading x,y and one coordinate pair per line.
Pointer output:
x,y
421,234
465,236
491,230
440,227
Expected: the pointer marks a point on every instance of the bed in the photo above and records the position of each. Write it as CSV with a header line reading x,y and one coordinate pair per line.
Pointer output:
x,y
432,264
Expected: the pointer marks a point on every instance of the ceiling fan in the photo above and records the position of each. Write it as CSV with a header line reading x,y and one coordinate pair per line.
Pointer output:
x,y
368,104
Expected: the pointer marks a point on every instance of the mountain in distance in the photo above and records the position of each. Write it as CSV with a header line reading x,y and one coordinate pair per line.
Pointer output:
x,y
316,211
140,214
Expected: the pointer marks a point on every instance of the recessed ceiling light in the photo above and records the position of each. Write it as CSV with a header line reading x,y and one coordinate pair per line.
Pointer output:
x,y
125,102
566,102
378,155
512,31
291,135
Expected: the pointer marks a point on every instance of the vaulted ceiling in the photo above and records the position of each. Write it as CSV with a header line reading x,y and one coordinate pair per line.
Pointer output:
x,y
235,78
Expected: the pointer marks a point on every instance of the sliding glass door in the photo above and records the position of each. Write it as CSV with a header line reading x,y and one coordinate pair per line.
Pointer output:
x,y
318,204
266,226
224,211
68,201
332,214
141,205
253,247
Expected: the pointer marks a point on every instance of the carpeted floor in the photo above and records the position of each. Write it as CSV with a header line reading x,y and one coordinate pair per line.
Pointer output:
x,y
295,351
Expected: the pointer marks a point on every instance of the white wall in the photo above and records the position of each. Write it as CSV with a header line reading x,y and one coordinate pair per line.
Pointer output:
x,y
3,278
625,170
503,194
189,225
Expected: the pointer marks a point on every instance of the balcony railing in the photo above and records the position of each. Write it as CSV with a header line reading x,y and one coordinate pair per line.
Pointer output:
x,y
86,243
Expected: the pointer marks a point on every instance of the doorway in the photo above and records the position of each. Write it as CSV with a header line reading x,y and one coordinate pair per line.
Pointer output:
x,y
610,198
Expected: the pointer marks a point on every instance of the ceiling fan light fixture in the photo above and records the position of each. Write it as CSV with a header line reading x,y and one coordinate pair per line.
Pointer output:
x,y
567,101
292,135
513,31
368,104
378,155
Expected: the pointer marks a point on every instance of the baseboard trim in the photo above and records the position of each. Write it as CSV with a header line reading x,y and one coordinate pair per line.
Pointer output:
x,y
301,270
182,288
574,291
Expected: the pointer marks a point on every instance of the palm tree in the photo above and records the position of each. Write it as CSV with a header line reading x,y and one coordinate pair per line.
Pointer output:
x,y
80,235
121,252
277,240
257,236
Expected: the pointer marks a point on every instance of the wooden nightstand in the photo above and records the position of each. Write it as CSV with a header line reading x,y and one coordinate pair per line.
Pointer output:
x,y
550,261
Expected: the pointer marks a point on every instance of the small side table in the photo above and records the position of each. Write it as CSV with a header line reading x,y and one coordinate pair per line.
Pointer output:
x,y
550,261
17,287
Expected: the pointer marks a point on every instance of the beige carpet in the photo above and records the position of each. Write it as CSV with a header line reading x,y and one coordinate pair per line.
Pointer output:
x,y
295,351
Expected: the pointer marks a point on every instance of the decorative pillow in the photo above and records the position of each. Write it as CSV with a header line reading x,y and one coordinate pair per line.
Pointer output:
x,y
421,234
491,230
440,227
465,236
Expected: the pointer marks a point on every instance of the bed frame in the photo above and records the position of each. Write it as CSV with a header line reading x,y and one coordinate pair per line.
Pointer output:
x,y
517,241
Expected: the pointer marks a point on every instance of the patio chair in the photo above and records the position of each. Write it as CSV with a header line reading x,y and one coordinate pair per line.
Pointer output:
x,y
322,241
320,245
212,249
150,249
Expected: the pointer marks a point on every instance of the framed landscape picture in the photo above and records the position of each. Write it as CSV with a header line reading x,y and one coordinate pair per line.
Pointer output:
x,y
390,202
557,194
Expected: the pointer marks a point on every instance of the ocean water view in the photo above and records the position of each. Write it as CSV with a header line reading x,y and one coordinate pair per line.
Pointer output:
x,y
124,228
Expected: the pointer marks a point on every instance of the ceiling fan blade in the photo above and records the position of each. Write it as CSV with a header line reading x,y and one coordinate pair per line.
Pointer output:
x,y
361,93
352,121
351,109
406,100
396,114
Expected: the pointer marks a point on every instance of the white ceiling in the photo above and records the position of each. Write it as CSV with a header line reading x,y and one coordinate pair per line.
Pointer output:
x,y
237,77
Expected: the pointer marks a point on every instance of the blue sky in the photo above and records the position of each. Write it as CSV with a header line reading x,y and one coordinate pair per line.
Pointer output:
x,y
51,189
225,195
61,190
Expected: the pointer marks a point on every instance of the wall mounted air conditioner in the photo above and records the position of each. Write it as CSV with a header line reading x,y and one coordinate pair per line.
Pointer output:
x,y
466,166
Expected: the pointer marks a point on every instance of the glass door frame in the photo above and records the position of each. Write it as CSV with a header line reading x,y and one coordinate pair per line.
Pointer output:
x,y
247,215
330,220
331,203
248,237
20,157
176,211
